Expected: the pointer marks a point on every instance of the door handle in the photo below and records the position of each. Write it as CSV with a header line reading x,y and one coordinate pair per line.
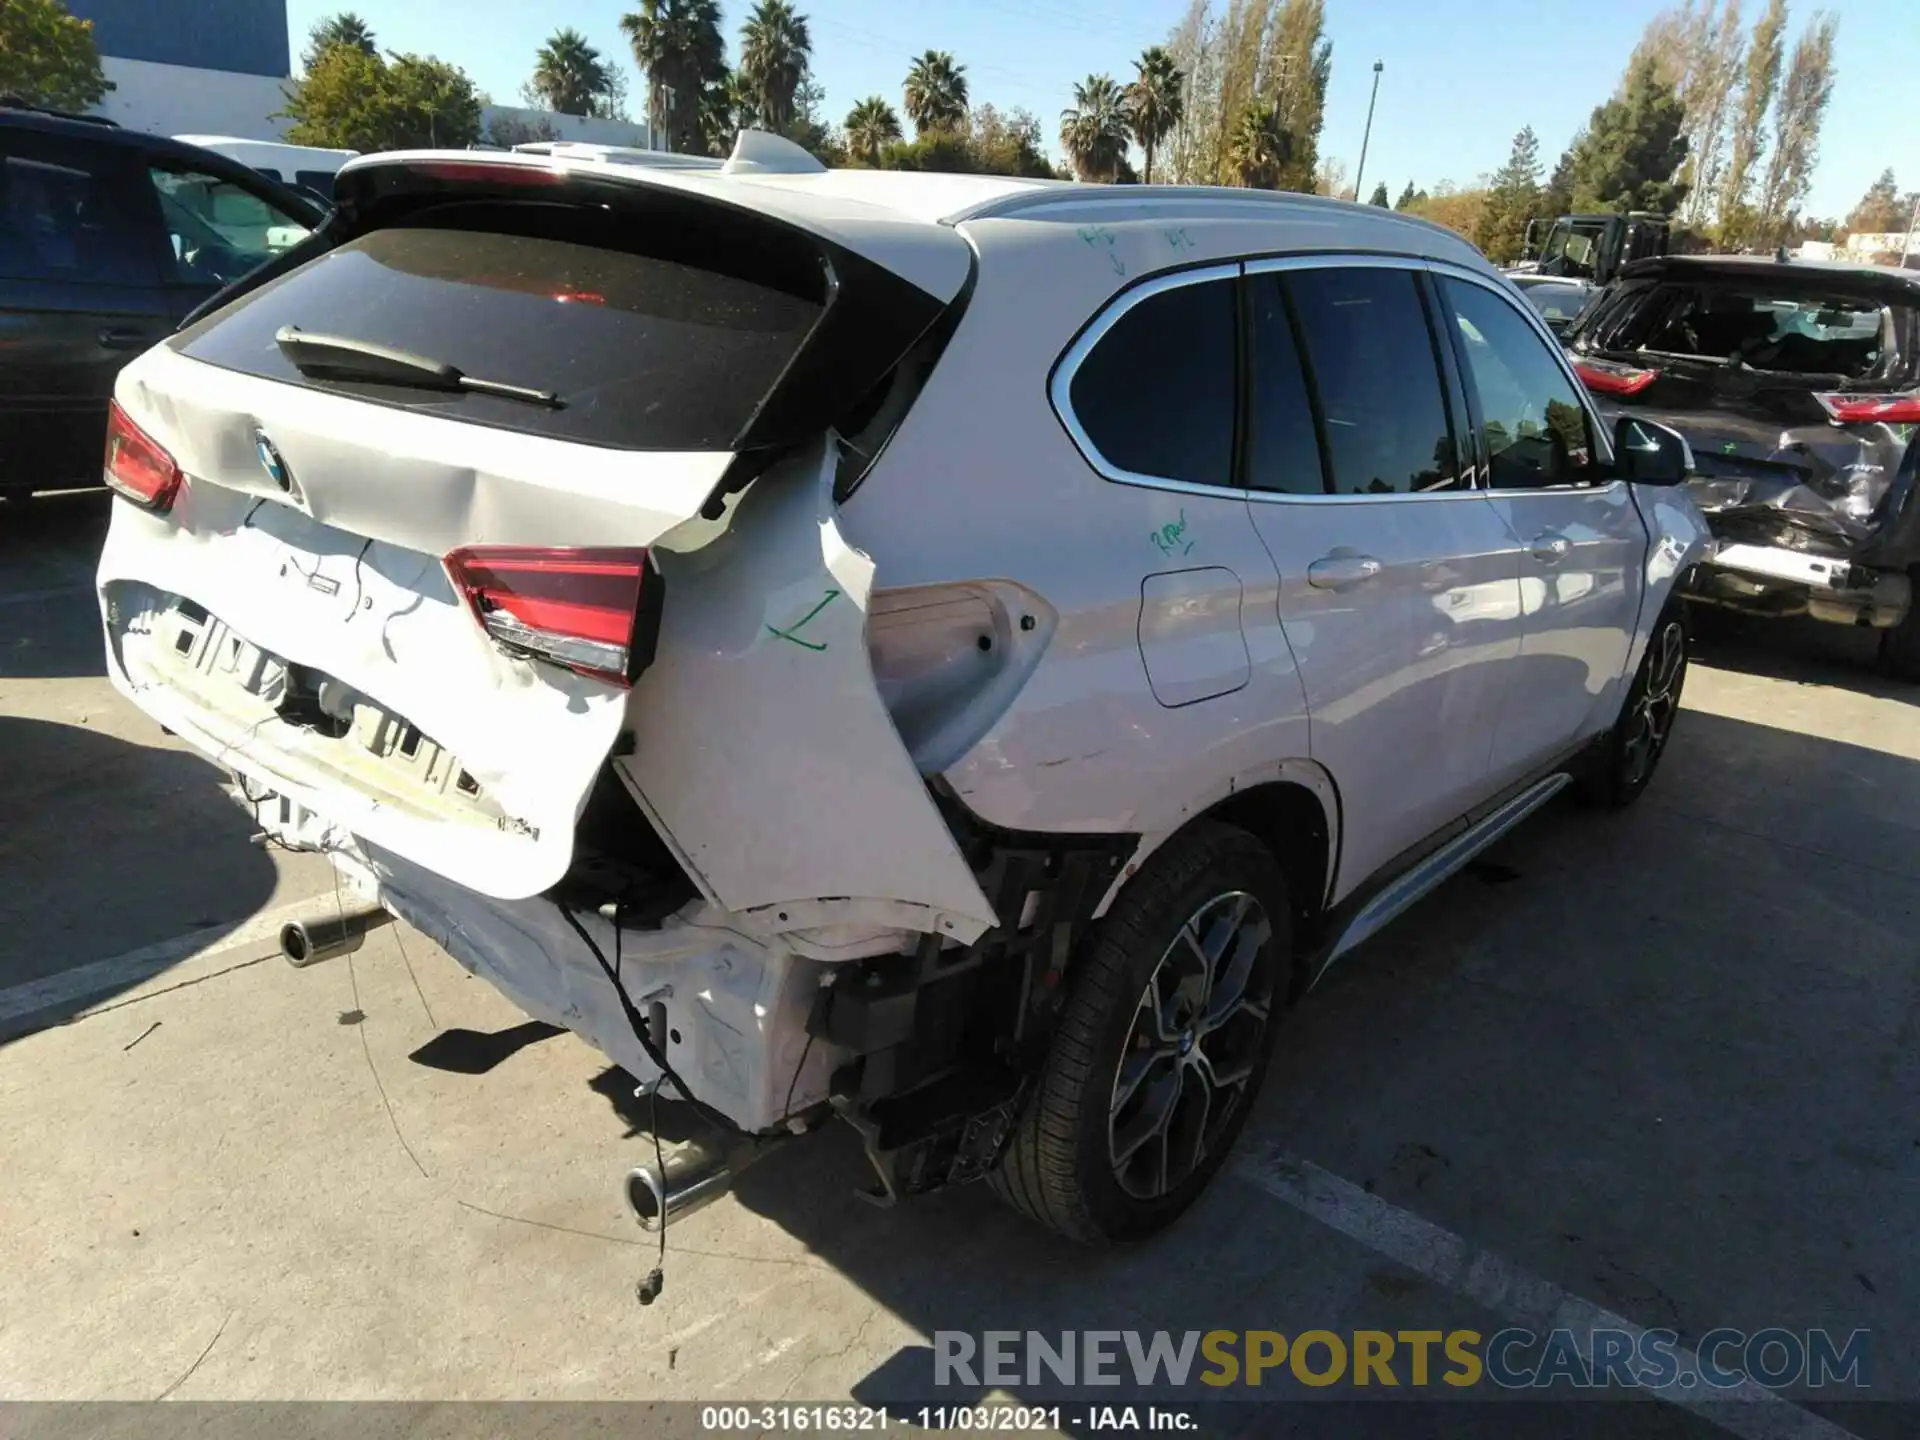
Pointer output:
x,y
123,337
1550,548
1341,572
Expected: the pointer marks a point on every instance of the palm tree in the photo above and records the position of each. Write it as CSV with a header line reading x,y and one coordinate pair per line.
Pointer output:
x,y
1260,146
569,75
1156,100
774,50
936,93
346,28
678,47
870,126
727,106
1094,131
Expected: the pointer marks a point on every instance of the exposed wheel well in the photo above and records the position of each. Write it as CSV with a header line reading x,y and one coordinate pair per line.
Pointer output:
x,y
1289,820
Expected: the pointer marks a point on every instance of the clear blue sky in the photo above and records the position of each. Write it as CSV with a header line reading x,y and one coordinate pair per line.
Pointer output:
x,y
1462,76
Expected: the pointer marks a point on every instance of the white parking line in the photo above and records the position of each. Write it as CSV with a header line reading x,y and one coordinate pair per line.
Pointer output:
x,y
1748,1410
122,972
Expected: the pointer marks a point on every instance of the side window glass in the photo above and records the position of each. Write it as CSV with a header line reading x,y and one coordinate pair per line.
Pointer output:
x,y
1370,357
1283,448
1531,420
1155,395
218,230
63,217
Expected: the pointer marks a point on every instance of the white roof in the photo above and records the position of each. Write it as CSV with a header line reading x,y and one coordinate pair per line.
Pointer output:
x,y
904,220
917,195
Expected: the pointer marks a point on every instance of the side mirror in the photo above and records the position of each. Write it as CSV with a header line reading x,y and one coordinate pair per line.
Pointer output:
x,y
1649,453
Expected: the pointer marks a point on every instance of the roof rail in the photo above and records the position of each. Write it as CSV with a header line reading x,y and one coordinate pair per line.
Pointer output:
x,y
20,102
1046,194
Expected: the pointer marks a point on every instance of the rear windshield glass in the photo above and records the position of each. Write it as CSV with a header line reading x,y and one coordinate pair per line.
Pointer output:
x,y
1764,327
644,352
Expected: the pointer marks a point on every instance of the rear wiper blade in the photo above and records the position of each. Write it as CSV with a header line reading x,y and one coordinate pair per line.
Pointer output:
x,y
341,357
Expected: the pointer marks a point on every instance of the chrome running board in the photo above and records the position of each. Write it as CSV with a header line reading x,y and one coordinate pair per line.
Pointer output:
x,y
1438,867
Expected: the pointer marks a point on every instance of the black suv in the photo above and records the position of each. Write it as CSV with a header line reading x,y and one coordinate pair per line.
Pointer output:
x,y
108,238
1798,386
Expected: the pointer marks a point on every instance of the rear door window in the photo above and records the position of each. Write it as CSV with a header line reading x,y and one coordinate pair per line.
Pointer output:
x,y
1371,361
644,352
1155,395
68,212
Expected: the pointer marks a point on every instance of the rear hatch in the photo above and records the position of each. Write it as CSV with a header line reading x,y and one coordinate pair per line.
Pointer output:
x,y
405,517
1796,389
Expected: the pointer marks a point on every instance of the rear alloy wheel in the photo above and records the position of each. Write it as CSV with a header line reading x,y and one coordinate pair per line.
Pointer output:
x,y
1196,1038
1162,1045
1632,750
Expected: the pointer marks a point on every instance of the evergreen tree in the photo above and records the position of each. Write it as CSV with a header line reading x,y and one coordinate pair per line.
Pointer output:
x,y
1379,196
1881,209
1557,198
1406,197
1633,148
1512,200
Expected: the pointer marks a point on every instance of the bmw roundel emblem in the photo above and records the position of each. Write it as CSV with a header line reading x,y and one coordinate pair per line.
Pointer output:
x,y
271,462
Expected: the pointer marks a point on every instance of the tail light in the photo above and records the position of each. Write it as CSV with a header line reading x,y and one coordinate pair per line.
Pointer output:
x,y
1604,377
577,608
138,466
1897,409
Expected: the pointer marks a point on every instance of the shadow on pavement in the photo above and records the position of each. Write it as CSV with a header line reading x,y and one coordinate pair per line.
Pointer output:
x,y
111,846
1806,652
49,623
476,1052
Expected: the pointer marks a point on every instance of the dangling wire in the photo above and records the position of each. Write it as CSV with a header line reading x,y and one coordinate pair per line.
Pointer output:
x,y
656,1279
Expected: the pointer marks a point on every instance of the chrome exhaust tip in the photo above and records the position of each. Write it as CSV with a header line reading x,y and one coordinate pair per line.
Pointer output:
x,y
329,932
688,1178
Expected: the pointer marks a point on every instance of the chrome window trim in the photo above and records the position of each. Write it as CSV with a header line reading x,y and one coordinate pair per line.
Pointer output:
x,y
1293,497
1336,260
1060,387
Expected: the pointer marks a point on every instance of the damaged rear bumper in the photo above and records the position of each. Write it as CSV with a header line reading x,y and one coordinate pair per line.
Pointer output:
x,y
1776,581
728,1008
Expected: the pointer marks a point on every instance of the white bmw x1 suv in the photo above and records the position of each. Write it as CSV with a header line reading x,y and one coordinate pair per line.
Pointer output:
x,y
955,652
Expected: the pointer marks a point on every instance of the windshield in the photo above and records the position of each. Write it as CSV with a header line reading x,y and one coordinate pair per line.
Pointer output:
x,y
1568,252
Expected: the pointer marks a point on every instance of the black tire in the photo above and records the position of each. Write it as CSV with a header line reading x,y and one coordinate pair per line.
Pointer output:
x,y
1059,1168
1900,646
1625,759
